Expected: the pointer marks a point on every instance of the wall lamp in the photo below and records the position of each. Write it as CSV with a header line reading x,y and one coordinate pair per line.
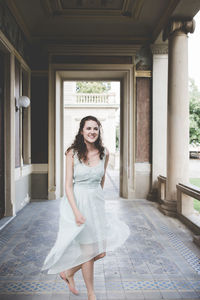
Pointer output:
x,y
23,101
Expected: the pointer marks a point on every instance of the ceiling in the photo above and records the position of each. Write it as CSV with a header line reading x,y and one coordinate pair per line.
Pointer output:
x,y
98,21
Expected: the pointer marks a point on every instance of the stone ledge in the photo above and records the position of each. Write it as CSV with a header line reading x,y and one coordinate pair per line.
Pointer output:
x,y
196,240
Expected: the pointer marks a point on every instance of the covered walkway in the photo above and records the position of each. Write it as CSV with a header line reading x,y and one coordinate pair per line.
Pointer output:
x,y
158,261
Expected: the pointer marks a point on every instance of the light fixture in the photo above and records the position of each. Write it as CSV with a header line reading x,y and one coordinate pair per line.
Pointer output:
x,y
23,101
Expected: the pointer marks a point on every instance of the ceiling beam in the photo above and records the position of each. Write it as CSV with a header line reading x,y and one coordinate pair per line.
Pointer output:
x,y
15,12
92,39
164,19
137,9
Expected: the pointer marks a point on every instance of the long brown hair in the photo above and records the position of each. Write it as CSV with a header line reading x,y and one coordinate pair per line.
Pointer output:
x,y
79,144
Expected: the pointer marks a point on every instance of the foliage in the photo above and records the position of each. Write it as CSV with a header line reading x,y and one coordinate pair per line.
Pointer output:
x,y
194,96
117,138
92,87
196,181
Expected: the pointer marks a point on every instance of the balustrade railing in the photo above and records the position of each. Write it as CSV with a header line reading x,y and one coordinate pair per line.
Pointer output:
x,y
185,210
90,98
161,189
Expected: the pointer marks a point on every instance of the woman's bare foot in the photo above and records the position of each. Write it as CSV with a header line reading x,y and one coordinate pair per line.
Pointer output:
x,y
91,296
69,278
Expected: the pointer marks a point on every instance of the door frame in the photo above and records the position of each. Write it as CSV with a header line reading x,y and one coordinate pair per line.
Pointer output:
x,y
125,73
9,130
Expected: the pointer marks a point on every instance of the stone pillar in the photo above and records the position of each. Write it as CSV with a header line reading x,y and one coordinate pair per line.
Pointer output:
x,y
178,111
159,116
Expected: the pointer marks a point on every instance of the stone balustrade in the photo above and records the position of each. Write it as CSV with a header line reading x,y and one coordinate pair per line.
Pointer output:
x,y
90,98
184,210
161,189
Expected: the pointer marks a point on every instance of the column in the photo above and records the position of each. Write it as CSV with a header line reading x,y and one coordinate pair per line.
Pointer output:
x,y
159,115
178,111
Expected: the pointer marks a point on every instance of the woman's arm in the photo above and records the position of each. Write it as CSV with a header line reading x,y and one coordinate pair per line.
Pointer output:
x,y
105,166
79,218
69,180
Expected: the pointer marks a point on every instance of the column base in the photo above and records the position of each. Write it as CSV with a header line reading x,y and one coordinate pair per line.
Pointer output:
x,y
153,195
52,194
168,208
9,209
196,240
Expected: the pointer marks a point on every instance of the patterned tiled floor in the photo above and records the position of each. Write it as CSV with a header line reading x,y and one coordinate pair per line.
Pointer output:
x,y
158,261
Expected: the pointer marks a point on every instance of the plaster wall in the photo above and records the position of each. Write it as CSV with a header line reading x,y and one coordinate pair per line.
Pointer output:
x,y
39,184
142,180
22,192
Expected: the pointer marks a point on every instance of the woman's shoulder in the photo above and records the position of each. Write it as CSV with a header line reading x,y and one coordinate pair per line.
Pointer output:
x,y
106,151
70,152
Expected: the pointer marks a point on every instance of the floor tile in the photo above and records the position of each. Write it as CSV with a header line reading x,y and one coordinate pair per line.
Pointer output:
x,y
158,259
171,295
152,295
134,295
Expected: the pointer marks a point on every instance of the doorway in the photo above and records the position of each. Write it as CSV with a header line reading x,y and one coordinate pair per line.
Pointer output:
x,y
102,100
58,74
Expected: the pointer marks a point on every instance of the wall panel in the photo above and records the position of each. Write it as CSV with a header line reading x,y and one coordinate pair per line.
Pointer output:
x,y
39,119
143,131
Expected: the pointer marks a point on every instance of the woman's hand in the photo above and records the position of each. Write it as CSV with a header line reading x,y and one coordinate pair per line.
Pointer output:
x,y
80,219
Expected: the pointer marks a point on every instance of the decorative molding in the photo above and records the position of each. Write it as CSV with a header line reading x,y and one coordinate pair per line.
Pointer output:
x,y
91,39
40,168
137,9
20,172
15,12
125,7
128,8
159,48
143,74
143,59
12,31
7,44
30,169
57,8
164,18
95,49
178,26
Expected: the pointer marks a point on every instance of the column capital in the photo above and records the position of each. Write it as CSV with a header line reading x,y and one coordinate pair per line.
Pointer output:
x,y
178,25
159,48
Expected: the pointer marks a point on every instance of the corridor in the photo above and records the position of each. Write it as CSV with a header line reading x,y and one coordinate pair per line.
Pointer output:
x,y
158,261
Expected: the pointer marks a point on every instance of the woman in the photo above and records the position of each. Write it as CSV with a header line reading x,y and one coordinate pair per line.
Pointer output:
x,y
85,231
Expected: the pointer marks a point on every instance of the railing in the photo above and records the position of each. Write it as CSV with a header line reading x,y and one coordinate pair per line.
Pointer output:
x,y
161,188
90,98
185,210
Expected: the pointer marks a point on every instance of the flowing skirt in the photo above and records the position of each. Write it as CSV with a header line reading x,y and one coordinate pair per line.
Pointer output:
x,y
101,232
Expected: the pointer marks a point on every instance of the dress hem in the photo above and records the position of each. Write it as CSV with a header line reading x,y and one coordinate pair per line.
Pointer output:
x,y
57,272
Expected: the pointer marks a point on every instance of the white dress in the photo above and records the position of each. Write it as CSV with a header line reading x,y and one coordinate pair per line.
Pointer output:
x,y
101,232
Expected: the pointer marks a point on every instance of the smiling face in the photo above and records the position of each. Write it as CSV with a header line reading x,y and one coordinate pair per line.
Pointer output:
x,y
90,131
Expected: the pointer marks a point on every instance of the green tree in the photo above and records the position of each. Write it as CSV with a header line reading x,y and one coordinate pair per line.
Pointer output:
x,y
117,138
92,87
194,96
